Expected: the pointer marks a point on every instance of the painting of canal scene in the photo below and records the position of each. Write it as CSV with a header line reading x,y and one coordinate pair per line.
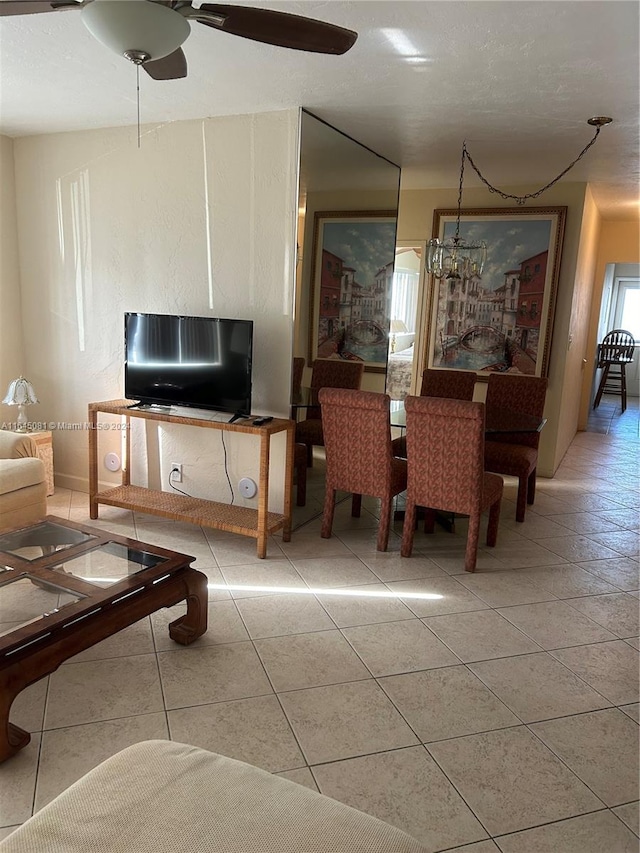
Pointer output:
x,y
501,320
353,257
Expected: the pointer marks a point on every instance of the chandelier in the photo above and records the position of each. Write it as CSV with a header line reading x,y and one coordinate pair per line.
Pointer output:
x,y
457,258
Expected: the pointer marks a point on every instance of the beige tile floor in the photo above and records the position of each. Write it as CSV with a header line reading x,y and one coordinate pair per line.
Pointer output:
x,y
487,712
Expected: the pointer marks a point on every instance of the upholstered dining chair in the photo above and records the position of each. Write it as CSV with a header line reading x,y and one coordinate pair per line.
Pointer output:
x,y
451,476
357,440
614,354
326,373
515,453
452,384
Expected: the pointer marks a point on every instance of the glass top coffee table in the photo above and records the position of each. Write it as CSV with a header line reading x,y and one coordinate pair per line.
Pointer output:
x,y
65,586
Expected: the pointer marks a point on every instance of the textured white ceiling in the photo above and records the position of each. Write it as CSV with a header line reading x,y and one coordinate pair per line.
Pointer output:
x,y
517,80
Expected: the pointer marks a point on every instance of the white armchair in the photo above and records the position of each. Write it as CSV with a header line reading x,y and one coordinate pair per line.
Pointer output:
x,y
23,488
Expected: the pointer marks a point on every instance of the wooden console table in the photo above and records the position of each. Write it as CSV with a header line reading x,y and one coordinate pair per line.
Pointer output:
x,y
257,523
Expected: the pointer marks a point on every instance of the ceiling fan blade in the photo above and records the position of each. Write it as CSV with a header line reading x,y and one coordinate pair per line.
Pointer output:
x,y
277,28
171,67
32,7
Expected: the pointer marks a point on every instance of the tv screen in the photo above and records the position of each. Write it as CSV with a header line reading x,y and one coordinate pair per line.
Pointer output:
x,y
204,362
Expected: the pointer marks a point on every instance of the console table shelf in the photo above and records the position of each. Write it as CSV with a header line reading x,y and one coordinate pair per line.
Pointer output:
x,y
232,519
257,523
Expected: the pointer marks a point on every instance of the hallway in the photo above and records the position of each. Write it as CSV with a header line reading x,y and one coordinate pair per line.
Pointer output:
x,y
609,420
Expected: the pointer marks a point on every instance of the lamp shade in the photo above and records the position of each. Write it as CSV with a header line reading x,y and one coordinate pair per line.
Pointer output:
x,y
136,25
20,393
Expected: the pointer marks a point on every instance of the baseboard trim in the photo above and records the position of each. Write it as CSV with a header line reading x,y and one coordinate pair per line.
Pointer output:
x,y
81,484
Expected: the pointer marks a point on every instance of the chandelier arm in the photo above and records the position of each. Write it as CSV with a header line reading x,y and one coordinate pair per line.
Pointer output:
x,y
520,199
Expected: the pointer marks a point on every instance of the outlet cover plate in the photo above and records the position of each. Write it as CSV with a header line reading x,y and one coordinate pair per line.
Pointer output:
x,y
248,488
112,462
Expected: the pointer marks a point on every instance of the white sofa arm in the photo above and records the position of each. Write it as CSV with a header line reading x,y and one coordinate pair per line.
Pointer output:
x,y
16,445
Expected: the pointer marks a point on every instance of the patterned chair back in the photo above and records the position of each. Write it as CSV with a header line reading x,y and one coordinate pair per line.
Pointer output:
x,y
357,439
616,348
454,384
445,453
517,393
333,373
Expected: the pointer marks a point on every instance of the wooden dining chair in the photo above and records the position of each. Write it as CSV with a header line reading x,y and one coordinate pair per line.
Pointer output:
x,y
300,468
326,373
297,370
451,475
614,354
357,438
452,384
515,454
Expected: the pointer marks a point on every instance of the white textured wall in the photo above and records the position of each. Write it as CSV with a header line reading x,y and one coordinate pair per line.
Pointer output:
x,y
200,220
576,365
11,348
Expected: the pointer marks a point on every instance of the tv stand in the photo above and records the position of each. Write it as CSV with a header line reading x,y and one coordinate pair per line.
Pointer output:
x,y
236,417
257,523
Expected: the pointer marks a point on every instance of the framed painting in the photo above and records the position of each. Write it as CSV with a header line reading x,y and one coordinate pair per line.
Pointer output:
x,y
502,320
351,284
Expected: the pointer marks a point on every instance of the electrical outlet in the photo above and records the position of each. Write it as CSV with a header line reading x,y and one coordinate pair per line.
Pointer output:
x,y
175,474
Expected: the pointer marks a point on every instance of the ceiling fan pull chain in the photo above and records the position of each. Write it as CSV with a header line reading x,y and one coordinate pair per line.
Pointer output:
x,y
138,98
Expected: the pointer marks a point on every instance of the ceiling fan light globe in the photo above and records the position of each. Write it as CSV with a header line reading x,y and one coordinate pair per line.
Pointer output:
x,y
136,26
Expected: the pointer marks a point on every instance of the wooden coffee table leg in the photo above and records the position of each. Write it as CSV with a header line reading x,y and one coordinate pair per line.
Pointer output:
x,y
193,624
12,738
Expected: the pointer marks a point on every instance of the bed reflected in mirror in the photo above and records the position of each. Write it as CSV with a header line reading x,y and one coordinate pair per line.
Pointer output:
x,y
404,355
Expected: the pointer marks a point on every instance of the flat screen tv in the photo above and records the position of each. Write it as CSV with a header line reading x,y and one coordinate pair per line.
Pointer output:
x,y
203,362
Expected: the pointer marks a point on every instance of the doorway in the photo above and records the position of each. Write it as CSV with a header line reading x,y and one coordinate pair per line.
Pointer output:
x,y
404,323
620,309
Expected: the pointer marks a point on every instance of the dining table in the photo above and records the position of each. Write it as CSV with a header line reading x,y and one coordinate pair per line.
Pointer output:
x,y
497,420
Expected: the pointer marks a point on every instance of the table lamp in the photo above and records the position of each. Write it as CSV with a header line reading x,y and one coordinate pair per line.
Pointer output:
x,y
396,326
20,393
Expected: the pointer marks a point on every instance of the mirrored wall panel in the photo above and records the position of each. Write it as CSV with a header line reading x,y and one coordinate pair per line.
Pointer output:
x,y
347,218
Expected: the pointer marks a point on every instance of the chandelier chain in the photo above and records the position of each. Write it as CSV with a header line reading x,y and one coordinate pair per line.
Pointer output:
x,y
519,199
456,258
464,152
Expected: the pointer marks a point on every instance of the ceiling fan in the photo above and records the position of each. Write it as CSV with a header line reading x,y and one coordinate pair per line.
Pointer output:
x,y
149,32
